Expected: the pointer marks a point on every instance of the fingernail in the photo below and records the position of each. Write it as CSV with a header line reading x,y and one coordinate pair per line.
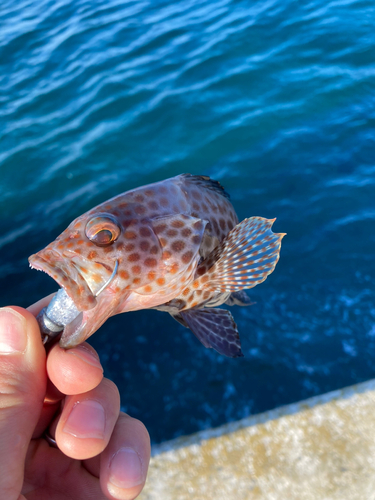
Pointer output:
x,y
13,336
86,420
87,355
125,469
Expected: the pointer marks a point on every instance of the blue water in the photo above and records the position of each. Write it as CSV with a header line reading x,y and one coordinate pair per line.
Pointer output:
x,y
273,98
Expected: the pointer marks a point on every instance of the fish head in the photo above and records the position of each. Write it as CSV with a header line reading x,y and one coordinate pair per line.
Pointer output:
x,y
95,262
78,259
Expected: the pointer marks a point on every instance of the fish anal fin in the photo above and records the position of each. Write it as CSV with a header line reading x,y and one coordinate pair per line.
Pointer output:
x,y
216,329
245,258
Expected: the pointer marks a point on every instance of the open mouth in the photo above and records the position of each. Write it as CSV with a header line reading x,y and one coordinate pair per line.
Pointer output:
x,y
83,280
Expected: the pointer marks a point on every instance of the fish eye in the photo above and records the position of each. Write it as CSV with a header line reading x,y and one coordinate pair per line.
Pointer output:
x,y
102,230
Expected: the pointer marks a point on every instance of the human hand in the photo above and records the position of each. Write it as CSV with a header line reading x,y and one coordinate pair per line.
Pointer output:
x,y
102,453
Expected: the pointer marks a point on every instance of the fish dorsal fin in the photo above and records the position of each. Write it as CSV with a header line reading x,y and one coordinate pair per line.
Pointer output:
x,y
206,182
245,258
214,328
180,237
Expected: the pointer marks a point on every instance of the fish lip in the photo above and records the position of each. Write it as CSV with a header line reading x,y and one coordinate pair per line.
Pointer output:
x,y
63,273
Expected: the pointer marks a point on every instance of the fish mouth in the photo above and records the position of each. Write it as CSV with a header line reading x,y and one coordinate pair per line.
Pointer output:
x,y
82,280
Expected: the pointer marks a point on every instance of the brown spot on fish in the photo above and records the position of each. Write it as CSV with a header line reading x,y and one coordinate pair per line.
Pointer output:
x,y
196,239
154,250
144,246
204,279
140,210
129,247
186,232
151,275
166,255
178,246
164,202
201,270
136,269
136,281
139,198
163,242
187,256
148,289
185,292
178,223
130,235
149,262
174,268
145,232
160,228
160,281
123,204
171,233
222,224
149,192
124,275
153,205
133,257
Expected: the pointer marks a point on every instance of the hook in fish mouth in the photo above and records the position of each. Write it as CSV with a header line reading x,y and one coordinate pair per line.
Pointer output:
x,y
111,278
61,311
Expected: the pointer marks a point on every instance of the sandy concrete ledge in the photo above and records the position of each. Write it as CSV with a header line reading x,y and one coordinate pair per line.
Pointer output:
x,y
320,449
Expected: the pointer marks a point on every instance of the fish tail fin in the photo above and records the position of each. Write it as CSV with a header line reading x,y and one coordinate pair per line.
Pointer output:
x,y
245,258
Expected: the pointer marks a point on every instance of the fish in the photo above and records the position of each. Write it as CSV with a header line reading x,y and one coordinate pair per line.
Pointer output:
x,y
175,246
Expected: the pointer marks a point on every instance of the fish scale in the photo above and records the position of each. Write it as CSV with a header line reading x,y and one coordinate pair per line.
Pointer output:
x,y
175,246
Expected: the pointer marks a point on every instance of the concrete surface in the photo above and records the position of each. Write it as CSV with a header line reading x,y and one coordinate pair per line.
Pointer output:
x,y
320,449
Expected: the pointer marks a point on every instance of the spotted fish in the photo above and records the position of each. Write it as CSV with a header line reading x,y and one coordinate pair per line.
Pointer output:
x,y
174,246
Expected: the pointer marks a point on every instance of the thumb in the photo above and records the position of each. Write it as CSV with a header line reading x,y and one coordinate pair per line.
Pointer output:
x,y
22,389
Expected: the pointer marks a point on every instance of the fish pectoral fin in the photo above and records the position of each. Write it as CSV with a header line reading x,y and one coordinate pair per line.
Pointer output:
x,y
245,258
216,329
239,298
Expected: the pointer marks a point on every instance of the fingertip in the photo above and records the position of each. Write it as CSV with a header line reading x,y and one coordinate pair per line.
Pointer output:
x,y
76,370
125,461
